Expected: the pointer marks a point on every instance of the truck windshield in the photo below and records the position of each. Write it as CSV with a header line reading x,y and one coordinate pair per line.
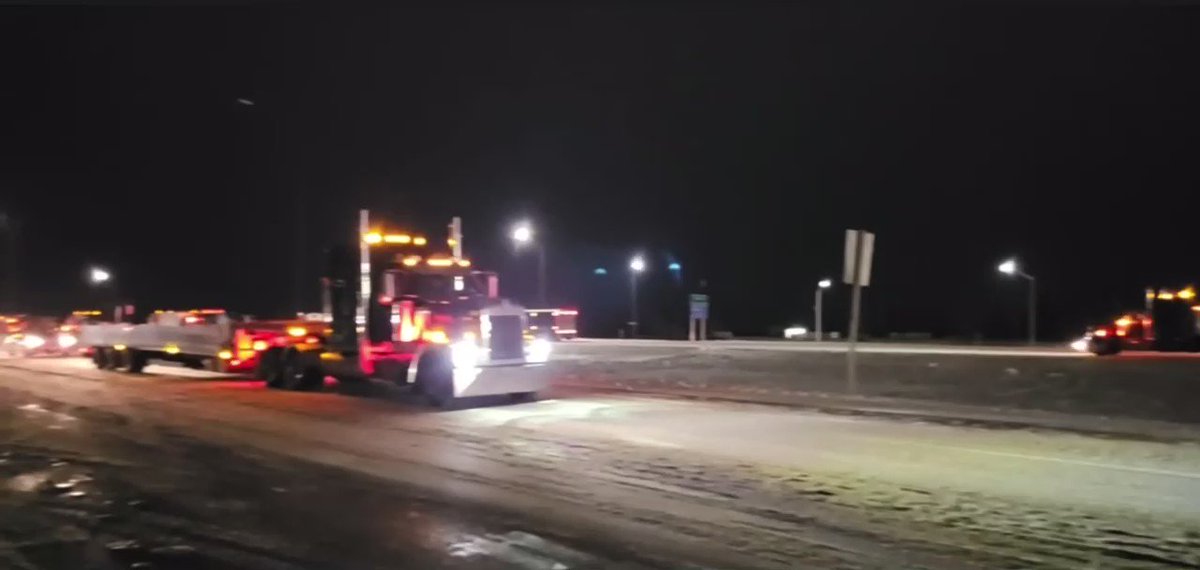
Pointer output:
x,y
435,287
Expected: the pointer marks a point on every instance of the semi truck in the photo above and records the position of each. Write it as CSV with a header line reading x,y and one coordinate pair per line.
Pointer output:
x,y
394,308
1169,322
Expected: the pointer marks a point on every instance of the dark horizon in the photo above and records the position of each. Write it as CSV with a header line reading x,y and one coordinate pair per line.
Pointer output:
x,y
739,140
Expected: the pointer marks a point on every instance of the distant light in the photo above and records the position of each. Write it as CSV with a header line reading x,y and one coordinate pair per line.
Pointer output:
x,y
523,233
600,271
674,266
373,237
1009,267
246,102
420,240
297,331
637,264
1187,294
397,238
825,283
99,275
794,332
1166,296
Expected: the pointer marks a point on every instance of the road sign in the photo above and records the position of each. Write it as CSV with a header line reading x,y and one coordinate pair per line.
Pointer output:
x,y
856,256
698,306
860,247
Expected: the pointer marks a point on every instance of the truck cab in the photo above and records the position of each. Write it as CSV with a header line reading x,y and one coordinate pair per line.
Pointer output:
x,y
398,311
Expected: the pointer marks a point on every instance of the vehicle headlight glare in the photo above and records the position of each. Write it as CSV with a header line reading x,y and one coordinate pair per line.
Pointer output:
x,y
538,350
33,341
67,340
464,354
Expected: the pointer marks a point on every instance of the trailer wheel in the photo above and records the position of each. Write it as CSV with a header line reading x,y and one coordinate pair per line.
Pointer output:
x,y
299,373
100,357
435,379
119,360
137,361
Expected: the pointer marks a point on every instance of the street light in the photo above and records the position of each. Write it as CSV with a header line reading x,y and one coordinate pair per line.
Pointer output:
x,y
98,275
636,266
522,234
1010,267
822,285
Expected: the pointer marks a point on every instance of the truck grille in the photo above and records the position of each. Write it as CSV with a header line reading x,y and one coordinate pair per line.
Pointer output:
x,y
507,341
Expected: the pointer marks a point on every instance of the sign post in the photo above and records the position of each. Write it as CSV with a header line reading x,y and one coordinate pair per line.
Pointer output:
x,y
697,316
859,249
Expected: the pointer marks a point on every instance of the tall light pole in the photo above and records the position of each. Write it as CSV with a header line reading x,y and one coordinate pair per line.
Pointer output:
x,y
522,235
636,266
1010,267
822,285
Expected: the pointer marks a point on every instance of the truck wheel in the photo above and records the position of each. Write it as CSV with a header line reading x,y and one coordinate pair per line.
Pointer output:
x,y
435,379
299,374
270,367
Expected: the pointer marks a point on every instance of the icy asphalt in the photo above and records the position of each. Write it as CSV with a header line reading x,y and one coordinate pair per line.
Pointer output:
x,y
224,473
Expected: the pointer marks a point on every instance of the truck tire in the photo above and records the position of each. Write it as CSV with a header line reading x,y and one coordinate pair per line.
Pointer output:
x,y
137,361
435,379
299,373
270,367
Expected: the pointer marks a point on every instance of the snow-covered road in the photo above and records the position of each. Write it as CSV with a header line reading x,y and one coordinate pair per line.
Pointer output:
x,y
727,485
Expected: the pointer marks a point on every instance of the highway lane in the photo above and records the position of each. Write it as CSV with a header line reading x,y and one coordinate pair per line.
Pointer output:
x,y
747,485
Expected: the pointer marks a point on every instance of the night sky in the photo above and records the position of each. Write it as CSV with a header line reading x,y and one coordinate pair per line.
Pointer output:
x,y
737,139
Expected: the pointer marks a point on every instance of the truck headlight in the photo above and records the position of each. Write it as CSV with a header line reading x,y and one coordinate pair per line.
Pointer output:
x,y
32,341
538,350
67,340
464,354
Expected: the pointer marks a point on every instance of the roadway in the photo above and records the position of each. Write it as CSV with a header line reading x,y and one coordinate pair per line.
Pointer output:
x,y
588,479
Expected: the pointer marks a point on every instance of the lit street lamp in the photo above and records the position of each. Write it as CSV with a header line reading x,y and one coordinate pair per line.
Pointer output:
x,y
1010,267
822,285
98,275
522,235
636,266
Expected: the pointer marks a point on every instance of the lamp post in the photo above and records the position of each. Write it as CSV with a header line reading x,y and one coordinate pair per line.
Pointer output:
x,y
522,235
822,285
1010,267
636,266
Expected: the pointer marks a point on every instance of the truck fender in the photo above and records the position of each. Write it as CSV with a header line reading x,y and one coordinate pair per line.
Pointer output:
x,y
418,358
